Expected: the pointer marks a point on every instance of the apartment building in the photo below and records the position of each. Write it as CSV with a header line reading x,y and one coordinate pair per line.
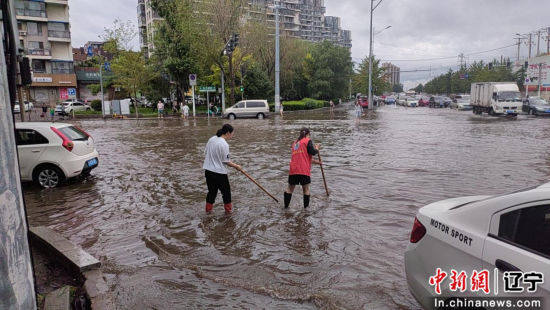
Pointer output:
x,y
392,73
44,31
147,18
302,19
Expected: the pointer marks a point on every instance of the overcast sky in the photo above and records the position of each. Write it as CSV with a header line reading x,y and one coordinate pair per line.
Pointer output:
x,y
420,30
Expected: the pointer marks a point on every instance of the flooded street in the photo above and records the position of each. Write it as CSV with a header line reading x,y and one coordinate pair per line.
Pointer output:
x,y
142,213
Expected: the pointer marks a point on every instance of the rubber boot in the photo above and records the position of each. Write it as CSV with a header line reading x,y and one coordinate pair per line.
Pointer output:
x,y
227,207
209,207
306,201
287,199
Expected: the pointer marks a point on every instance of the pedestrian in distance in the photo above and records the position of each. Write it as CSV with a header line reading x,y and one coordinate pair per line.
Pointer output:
x,y
174,108
331,106
281,108
358,111
44,110
215,164
160,108
184,111
303,151
52,112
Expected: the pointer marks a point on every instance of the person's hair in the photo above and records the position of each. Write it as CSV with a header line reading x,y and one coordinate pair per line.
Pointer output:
x,y
225,129
303,133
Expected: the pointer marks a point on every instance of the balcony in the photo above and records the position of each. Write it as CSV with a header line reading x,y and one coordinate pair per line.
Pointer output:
x,y
28,14
38,52
59,36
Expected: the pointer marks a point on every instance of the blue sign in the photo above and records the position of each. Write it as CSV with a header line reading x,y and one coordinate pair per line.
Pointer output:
x,y
107,66
71,91
90,51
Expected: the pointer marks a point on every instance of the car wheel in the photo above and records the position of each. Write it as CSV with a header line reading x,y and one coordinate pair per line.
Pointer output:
x,y
231,116
260,116
535,112
49,176
88,109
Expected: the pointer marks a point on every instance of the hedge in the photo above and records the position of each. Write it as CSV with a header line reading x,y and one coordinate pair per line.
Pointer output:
x,y
304,104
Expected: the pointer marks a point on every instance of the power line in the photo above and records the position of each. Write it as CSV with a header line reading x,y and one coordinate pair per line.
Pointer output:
x,y
451,57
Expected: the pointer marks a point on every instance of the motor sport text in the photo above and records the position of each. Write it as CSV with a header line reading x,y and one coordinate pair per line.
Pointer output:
x,y
454,233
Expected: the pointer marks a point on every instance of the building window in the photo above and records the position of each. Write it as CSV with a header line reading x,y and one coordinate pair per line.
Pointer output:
x,y
62,67
58,30
30,8
38,66
34,29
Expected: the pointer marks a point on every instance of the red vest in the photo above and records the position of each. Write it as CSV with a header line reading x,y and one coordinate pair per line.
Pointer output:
x,y
300,161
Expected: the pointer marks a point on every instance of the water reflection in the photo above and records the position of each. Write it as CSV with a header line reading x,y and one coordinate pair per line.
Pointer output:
x,y
142,212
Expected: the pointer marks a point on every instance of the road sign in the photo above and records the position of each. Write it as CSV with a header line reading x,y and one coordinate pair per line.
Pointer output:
x,y
71,91
242,89
192,79
90,51
207,89
107,66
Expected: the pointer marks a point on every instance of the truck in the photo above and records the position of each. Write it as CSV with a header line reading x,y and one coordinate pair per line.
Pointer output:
x,y
496,98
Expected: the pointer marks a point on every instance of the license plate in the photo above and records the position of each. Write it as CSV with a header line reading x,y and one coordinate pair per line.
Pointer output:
x,y
547,111
92,162
510,111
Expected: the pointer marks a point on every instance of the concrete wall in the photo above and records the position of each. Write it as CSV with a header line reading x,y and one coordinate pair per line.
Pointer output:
x,y
16,278
62,51
57,12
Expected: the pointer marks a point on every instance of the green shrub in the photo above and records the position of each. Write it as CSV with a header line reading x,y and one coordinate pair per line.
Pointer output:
x,y
96,104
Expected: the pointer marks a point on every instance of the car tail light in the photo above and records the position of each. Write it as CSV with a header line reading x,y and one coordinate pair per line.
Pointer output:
x,y
67,143
418,231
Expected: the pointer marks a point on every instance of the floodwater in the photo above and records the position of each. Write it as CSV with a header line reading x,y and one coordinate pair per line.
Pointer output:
x,y
142,212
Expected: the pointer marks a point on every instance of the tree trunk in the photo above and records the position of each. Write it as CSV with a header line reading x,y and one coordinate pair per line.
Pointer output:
x,y
232,79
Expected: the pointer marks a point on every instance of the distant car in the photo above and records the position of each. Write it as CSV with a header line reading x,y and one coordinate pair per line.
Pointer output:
x,y
437,102
363,101
68,106
248,108
389,100
28,107
423,101
50,153
411,102
461,103
536,106
506,233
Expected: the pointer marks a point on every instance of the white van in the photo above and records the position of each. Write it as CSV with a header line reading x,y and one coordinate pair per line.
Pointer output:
x,y
248,108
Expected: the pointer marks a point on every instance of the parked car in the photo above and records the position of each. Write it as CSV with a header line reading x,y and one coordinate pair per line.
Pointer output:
x,y
389,100
248,108
462,103
536,106
28,107
506,232
67,107
363,101
411,102
423,101
437,102
50,153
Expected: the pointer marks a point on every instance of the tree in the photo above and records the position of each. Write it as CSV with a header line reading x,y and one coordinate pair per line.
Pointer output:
x,y
419,88
328,68
397,88
131,73
119,36
360,80
257,84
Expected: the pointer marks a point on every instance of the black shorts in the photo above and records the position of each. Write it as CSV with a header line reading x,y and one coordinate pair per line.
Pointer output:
x,y
295,179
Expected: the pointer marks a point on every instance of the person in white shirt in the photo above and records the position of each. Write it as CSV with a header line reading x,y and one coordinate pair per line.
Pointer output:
x,y
184,111
215,161
160,108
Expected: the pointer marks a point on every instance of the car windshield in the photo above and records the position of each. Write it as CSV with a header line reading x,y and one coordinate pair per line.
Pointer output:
x,y
73,133
509,96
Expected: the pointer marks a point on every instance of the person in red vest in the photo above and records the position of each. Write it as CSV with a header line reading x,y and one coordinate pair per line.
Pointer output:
x,y
303,150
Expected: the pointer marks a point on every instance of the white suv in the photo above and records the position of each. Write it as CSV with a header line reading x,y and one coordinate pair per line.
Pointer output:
x,y
248,108
50,153
67,107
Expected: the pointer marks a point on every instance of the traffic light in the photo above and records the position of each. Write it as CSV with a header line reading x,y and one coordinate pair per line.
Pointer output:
x,y
235,40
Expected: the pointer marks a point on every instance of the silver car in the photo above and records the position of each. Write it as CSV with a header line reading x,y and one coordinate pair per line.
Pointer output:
x,y
248,108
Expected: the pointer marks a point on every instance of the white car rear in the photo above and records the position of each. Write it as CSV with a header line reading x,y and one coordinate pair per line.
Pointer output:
x,y
501,233
50,153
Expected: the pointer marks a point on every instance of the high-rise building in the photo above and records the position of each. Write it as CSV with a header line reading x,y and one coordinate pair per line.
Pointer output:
x,y
45,35
303,19
147,18
392,73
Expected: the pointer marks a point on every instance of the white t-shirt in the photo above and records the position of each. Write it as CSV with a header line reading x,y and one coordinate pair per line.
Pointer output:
x,y
160,105
185,109
216,153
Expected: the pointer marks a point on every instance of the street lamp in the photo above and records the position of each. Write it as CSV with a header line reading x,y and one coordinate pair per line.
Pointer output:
x,y
372,8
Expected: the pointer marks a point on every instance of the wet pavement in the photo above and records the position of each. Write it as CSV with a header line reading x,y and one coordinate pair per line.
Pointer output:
x,y
142,211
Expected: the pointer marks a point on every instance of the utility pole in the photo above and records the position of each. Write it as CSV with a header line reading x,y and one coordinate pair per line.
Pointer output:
x,y
101,83
519,43
548,41
530,45
277,65
540,75
371,106
538,43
